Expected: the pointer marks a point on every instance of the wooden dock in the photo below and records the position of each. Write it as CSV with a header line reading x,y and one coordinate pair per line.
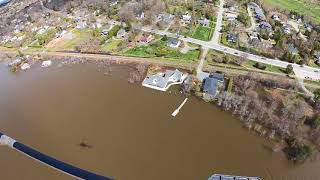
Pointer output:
x,y
178,109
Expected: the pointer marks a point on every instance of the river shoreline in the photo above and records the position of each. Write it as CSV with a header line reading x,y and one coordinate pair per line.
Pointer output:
x,y
74,58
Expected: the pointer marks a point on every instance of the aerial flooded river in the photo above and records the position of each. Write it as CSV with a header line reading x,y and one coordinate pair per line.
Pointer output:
x,y
128,128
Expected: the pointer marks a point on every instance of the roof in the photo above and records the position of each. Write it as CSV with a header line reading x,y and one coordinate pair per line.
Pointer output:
x,y
210,86
217,76
204,21
231,37
121,32
161,80
265,25
293,50
258,11
174,42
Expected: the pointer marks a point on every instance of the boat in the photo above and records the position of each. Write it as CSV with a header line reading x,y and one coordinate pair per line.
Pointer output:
x,y
231,177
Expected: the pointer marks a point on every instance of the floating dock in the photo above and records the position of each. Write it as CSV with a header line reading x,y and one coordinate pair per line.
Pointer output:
x,y
230,177
178,109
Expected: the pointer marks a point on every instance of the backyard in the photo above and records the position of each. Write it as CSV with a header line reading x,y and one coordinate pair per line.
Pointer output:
x,y
160,49
203,33
301,6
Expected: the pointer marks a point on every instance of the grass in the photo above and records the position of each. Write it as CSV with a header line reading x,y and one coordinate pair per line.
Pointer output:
x,y
111,45
275,69
80,36
300,6
224,41
316,83
230,84
203,33
160,49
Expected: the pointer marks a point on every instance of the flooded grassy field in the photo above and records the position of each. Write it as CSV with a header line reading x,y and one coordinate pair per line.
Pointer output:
x,y
129,129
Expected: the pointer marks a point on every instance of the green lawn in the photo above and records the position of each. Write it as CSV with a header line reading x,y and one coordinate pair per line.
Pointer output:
x,y
110,45
317,83
300,6
251,64
203,33
224,41
79,37
160,49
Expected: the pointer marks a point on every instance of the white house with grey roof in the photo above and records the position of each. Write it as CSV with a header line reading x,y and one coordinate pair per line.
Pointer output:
x,y
162,81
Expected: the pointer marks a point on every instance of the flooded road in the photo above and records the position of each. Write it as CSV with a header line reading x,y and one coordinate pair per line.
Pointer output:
x,y
129,128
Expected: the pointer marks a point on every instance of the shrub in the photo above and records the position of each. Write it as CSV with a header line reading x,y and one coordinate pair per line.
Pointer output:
x,y
260,66
289,69
113,31
297,152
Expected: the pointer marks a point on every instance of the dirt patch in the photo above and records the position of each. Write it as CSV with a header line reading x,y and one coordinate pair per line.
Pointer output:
x,y
57,41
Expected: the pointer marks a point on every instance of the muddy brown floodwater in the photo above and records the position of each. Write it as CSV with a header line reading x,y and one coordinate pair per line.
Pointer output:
x,y
128,128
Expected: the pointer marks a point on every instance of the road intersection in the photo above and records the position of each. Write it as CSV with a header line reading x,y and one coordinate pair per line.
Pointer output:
x,y
302,72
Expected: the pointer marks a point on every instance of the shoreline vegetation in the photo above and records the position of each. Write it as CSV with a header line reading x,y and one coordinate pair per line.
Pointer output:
x,y
268,105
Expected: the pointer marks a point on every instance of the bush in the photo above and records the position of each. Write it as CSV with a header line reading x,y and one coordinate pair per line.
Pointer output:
x,y
260,66
165,38
317,94
297,152
313,122
113,31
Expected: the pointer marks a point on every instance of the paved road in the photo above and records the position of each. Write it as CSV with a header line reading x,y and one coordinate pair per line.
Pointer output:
x,y
253,21
200,74
305,72
216,34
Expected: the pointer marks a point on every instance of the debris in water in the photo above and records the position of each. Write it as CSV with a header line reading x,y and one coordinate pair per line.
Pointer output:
x,y
84,144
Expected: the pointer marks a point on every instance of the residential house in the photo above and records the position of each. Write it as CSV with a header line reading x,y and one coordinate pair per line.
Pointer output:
x,y
121,33
211,84
231,38
146,39
81,24
113,2
275,17
234,23
231,16
204,22
253,35
141,15
256,43
286,29
308,27
265,26
174,43
162,81
165,17
186,18
104,32
258,12
25,66
15,62
292,49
